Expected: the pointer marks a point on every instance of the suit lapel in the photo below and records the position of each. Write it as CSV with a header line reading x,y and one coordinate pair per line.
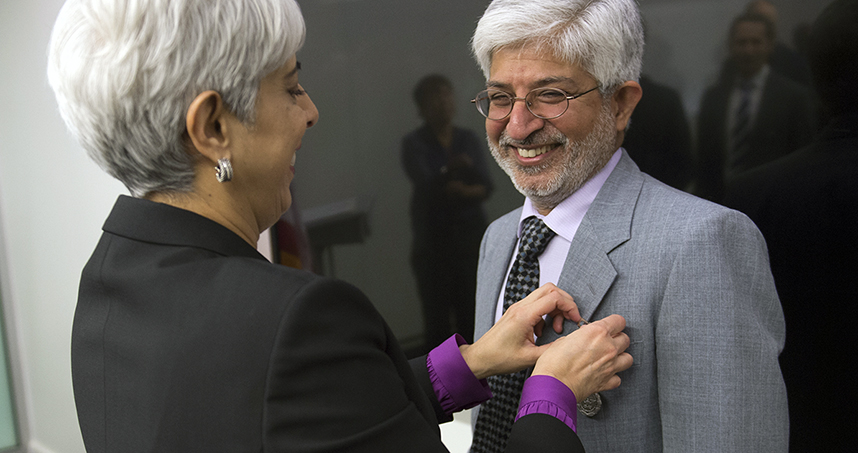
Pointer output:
x,y
766,112
721,125
588,272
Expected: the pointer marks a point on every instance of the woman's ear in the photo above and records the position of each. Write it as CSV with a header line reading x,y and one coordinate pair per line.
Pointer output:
x,y
207,127
624,101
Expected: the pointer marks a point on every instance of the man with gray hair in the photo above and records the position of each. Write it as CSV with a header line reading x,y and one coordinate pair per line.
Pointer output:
x,y
691,278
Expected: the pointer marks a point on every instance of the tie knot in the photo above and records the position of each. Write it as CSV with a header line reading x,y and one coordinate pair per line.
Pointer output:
x,y
534,237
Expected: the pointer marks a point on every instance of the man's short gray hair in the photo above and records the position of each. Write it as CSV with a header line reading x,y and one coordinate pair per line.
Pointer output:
x,y
125,72
604,37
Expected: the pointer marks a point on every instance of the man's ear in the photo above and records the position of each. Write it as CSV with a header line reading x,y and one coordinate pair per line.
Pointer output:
x,y
623,103
207,125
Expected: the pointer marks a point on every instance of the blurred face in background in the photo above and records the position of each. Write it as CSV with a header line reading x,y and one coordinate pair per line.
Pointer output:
x,y
750,47
440,107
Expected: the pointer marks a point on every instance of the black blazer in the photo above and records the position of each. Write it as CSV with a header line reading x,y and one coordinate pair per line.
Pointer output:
x,y
186,339
783,124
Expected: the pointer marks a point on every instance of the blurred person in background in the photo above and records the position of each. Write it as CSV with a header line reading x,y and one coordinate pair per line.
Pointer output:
x,y
752,115
446,166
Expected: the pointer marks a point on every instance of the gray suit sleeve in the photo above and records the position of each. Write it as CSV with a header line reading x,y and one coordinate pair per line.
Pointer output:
x,y
720,330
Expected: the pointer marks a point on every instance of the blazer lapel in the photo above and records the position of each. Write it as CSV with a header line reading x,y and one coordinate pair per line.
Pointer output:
x,y
588,272
720,118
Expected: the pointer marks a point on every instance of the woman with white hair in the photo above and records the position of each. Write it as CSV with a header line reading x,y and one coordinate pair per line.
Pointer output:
x,y
184,337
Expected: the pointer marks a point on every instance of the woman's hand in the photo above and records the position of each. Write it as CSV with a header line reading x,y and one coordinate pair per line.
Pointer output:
x,y
509,345
588,360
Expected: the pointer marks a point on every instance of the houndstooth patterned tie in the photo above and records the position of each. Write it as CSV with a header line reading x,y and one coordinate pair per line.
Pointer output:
x,y
497,415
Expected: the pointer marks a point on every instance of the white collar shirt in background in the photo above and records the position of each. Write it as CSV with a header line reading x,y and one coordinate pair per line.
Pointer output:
x,y
759,83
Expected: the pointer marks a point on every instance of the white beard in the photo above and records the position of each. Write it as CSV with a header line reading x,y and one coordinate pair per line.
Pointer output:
x,y
583,159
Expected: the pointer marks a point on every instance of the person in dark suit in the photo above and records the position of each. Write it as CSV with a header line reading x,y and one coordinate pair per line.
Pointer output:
x,y
185,338
753,115
806,206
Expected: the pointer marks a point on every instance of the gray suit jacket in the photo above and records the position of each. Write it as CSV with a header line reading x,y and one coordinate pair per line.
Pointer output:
x,y
692,279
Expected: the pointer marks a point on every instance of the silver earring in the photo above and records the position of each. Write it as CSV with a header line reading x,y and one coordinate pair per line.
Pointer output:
x,y
223,170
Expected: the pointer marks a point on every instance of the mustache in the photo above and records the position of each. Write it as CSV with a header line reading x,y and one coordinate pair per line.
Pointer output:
x,y
540,137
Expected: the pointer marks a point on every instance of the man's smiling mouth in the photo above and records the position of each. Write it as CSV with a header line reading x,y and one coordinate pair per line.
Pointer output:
x,y
533,152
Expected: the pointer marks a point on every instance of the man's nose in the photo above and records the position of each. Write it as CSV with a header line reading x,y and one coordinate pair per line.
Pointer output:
x,y
521,122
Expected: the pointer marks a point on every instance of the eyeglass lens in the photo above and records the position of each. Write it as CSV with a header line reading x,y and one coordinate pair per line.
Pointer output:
x,y
545,103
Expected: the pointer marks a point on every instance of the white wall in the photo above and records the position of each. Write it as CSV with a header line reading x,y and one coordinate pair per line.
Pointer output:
x,y
362,58
52,203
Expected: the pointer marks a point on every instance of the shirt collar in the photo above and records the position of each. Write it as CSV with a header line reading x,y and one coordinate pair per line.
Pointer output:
x,y
565,218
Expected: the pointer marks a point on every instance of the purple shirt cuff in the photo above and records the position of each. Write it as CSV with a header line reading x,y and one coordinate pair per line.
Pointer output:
x,y
453,382
547,395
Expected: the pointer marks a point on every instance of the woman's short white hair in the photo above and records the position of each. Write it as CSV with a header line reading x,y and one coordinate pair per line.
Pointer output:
x,y
604,37
125,72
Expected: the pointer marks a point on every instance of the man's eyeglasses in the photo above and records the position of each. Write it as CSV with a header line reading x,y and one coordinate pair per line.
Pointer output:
x,y
545,103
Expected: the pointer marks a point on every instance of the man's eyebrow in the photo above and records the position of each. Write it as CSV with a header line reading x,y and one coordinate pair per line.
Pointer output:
x,y
535,84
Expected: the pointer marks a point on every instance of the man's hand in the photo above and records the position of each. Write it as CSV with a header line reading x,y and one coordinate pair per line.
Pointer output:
x,y
509,345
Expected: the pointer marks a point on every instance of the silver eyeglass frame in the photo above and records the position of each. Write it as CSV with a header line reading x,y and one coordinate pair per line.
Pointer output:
x,y
569,97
